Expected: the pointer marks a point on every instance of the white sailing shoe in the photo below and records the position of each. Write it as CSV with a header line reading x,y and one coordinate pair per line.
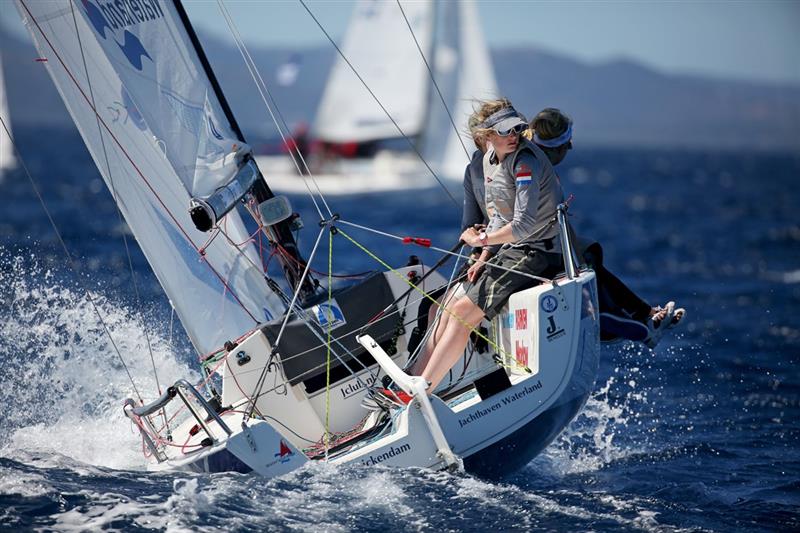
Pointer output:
x,y
680,312
659,323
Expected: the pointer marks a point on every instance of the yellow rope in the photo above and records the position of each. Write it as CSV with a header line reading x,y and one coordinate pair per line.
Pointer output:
x,y
328,343
463,322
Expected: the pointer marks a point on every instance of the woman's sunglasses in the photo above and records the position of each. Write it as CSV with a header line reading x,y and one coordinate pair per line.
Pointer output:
x,y
519,128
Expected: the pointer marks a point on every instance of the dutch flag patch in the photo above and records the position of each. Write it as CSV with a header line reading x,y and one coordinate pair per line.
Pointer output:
x,y
523,175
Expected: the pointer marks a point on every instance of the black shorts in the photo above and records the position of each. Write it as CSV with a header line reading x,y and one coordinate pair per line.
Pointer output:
x,y
495,286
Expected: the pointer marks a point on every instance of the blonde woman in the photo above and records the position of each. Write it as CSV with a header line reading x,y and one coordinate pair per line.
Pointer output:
x,y
522,192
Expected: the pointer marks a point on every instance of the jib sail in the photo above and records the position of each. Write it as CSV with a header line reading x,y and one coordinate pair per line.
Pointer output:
x,y
137,91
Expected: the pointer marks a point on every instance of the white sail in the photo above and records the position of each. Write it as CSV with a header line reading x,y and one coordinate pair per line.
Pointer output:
x,y
379,46
476,81
8,158
464,74
135,88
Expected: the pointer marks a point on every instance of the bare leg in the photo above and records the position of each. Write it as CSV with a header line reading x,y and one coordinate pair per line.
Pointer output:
x,y
438,330
453,340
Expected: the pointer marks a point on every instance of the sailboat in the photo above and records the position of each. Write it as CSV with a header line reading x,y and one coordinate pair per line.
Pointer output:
x,y
8,160
403,86
287,364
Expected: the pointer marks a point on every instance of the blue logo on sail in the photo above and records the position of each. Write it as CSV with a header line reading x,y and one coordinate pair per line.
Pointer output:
x,y
133,50
116,15
213,129
329,315
96,18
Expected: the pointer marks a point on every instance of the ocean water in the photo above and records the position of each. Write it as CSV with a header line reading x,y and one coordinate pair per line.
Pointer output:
x,y
701,434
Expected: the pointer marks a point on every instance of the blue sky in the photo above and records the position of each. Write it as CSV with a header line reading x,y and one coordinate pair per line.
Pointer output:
x,y
757,40
741,39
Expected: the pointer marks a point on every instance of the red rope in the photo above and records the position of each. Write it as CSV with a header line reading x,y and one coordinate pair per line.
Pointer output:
x,y
285,253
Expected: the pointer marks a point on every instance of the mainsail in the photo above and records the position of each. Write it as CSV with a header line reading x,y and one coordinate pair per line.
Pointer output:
x,y
137,91
377,45
382,50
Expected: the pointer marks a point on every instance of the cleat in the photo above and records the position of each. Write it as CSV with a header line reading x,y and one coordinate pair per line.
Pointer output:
x,y
384,399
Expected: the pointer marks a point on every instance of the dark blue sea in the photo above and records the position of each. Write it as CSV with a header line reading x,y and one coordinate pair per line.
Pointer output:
x,y
701,434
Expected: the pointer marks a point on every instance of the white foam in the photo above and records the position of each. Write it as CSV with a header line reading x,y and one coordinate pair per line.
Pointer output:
x,y
62,384
12,481
531,510
589,442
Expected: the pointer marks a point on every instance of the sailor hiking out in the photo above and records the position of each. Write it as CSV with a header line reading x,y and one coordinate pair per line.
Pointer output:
x,y
523,193
623,313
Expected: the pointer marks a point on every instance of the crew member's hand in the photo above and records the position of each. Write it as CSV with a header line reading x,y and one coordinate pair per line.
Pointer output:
x,y
474,271
470,237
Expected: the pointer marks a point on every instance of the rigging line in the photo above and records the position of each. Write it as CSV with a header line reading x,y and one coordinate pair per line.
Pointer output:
x,y
260,382
130,159
336,340
328,346
72,264
473,329
386,112
114,195
456,254
262,88
356,275
303,315
433,80
298,310
451,282
260,83
313,369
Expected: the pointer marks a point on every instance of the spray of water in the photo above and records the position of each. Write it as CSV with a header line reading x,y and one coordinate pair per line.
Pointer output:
x,y
61,383
609,426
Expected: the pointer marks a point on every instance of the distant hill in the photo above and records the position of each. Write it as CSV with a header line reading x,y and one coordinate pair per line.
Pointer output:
x,y
618,103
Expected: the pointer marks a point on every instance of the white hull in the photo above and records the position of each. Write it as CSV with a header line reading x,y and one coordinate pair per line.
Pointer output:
x,y
491,435
387,171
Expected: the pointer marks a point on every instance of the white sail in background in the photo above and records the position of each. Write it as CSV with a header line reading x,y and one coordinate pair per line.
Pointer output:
x,y
135,88
464,73
380,48
8,158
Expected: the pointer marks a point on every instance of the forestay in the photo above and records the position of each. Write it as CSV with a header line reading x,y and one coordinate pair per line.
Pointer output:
x,y
377,45
134,85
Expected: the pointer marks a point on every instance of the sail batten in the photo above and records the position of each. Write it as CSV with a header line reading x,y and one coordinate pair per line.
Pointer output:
x,y
157,114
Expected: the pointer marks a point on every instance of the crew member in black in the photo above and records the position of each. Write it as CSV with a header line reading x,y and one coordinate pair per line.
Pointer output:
x,y
623,314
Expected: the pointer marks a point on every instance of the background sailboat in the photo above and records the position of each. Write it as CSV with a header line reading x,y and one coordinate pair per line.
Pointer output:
x,y
8,159
419,71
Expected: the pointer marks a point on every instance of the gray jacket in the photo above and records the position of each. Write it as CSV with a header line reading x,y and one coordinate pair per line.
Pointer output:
x,y
524,191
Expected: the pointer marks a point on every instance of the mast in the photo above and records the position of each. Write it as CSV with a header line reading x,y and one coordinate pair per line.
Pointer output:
x,y
261,192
